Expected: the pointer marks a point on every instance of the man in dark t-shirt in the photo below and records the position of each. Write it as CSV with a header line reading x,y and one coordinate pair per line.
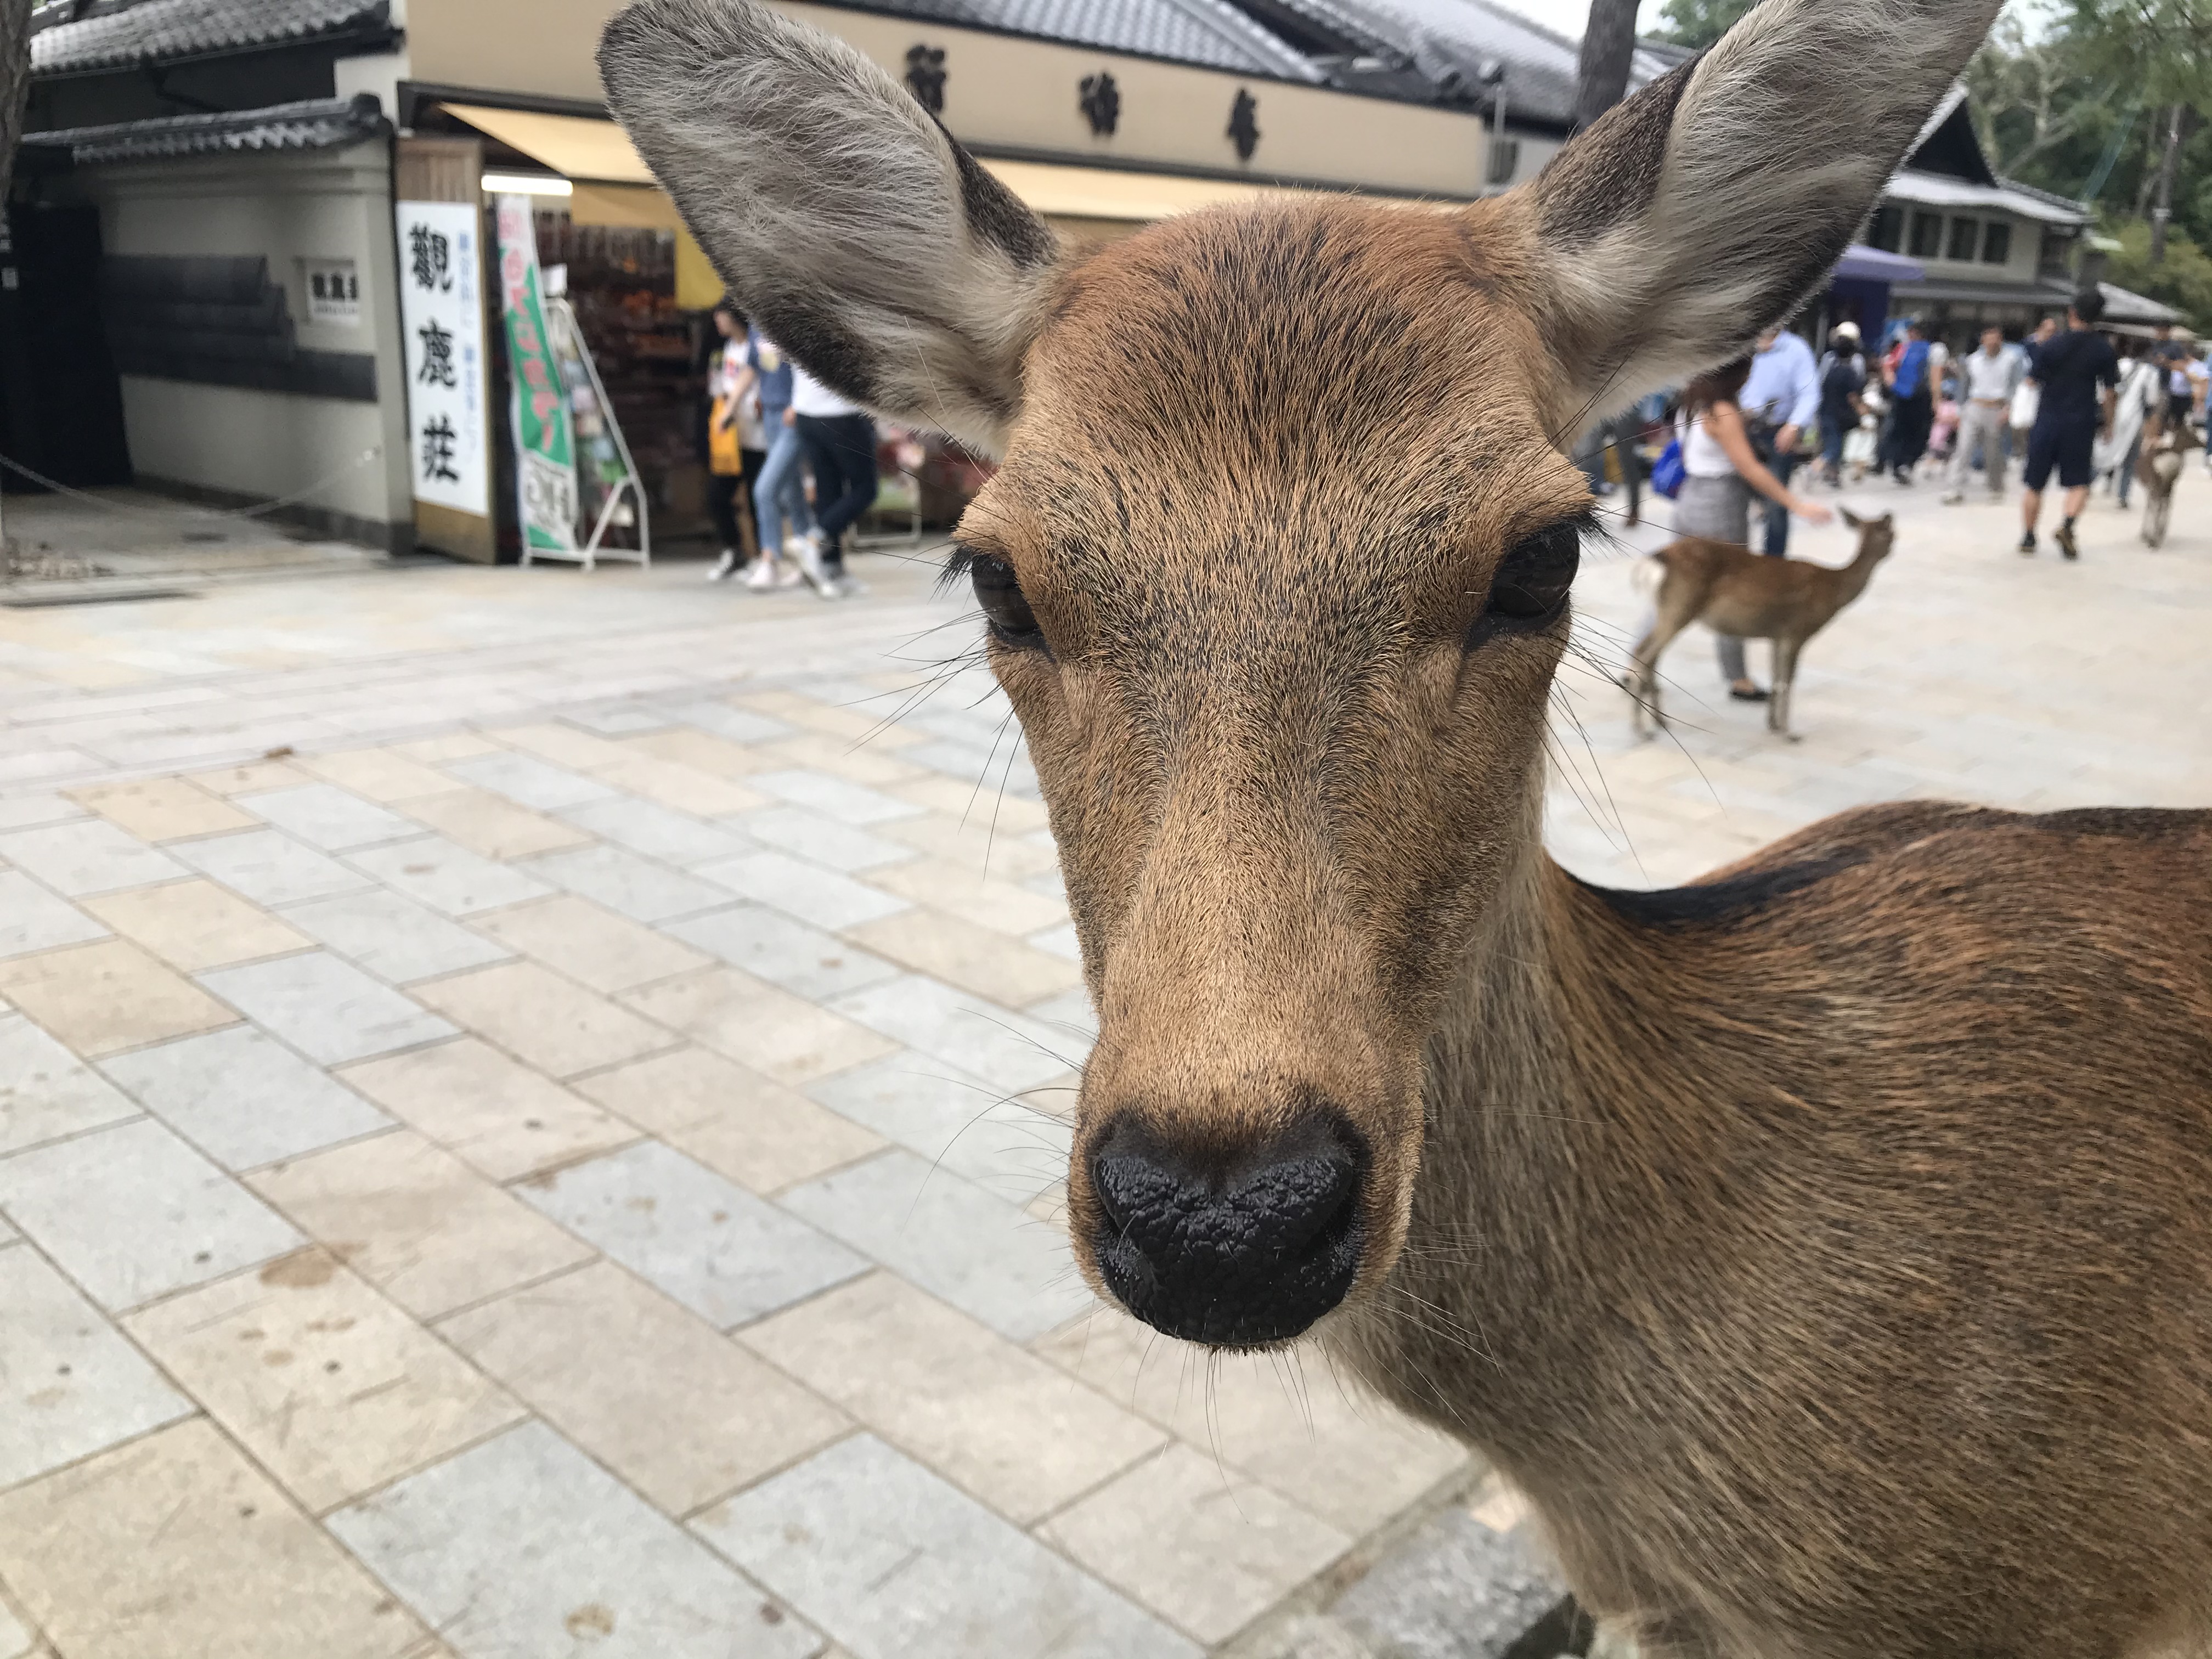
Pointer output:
x,y
2077,372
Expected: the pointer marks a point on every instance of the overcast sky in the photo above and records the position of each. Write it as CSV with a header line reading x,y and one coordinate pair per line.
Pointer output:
x,y
1568,16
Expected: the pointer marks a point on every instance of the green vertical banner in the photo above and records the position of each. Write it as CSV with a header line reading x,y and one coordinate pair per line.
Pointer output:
x,y
544,445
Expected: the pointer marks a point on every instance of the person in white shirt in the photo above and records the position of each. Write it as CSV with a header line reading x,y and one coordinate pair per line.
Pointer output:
x,y
1781,397
841,452
1987,378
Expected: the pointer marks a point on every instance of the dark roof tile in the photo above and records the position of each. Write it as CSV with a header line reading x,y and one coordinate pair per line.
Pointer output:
x,y
72,39
318,124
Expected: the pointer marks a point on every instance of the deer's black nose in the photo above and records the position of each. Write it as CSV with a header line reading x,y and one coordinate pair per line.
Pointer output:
x,y
1237,1250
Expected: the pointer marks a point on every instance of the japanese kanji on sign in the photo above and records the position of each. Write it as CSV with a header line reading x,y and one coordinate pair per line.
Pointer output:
x,y
545,446
441,315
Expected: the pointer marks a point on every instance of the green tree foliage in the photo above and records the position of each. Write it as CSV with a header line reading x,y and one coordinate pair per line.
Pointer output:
x,y
1699,23
2183,279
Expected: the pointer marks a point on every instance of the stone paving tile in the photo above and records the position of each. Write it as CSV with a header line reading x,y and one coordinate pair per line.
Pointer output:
x,y
657,832
723,1253
896,1563
723,720
330,1387
980,899
17,1639
985,1413
628,885
162,809
381,774
973,841
783,949
196,924
449,746
1210,1553
101,998
563,746
394,938
528,781
31,919
270,867
1009,815
242,1098
84,857
834,798
657,1394
46,1091
176,1545
604,951
680,787
821,840
872,764
495,1112
68,1384
1009,1147
974,958
524,1546
1061,941
982,1254
325,815
325,1008
1069,1012
703,752
550,1023
759,1134
22,811
248,778
447,876
758,1026
130,1213
417,1223
491,825
813,894
962,1029
1342,1455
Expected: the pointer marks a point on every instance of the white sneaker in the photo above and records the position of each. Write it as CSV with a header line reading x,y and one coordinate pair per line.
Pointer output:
x,y
788,574
847,586
729,563
1954,497
808,548
760,576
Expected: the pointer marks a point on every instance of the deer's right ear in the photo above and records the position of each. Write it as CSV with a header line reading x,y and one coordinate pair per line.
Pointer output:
x,y
1705,207
844,219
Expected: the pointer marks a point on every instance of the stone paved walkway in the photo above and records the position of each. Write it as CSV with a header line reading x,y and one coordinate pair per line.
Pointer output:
x,y
531,1107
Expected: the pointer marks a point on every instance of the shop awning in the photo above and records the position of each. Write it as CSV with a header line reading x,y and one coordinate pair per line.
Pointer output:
x,y
599,152
1870,264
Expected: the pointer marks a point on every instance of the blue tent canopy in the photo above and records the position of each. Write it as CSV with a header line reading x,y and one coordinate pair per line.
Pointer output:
x,y
1870,264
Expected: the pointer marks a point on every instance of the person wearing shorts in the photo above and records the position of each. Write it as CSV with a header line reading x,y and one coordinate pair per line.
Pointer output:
x,y
2076,374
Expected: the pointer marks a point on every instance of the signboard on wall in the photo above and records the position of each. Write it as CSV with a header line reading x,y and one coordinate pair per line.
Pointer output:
x,y
333,292
442,317
544,441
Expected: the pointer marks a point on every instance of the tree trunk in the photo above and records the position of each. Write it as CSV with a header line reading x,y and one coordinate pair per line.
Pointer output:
x,y
15,84
2161,211
1609,48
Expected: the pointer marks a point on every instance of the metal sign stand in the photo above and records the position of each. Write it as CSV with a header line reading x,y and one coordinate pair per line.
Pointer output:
x,y
573,350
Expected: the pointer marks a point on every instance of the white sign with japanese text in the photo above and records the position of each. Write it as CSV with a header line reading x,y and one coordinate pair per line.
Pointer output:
x,y
441,315
333,292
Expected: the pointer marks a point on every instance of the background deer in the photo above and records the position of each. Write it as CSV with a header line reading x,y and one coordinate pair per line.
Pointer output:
x,y
2158,468
1733,590
1824,1248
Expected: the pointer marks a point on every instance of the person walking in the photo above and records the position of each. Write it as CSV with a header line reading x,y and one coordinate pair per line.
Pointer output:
x,y
1988,378
1912,398
2076,374
736,447
1720,471
1781,400
1843,378
2142,380
840,451
780,492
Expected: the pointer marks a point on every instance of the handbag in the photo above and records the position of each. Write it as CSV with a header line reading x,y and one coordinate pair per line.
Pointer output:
x,y
2026,400
1668,472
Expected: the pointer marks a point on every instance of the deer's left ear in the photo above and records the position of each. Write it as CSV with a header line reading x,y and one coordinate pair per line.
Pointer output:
x,y
1705,207
844,219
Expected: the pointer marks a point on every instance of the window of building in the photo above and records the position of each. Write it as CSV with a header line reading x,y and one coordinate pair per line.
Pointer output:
x,y
1505,159
1965,237
1996,243
1887,231
1927,235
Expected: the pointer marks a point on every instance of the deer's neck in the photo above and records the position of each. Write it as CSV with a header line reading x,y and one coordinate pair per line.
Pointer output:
x,y
1561,1166
1852,578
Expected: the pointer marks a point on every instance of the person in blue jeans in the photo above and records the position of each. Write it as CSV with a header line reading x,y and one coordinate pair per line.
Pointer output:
x,y
1781,399
780,494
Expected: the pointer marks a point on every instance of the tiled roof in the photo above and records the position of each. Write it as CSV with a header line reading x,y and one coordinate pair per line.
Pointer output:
x,y
73,38
1212,33
319,123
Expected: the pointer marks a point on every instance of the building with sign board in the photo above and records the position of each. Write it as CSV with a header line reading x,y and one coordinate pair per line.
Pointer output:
x,y
261,175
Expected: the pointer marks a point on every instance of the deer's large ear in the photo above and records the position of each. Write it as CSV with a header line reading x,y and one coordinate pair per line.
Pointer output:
x,y
1705,207
844,219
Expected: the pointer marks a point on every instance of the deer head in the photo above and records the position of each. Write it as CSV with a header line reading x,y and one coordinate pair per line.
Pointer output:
x,y
1275,570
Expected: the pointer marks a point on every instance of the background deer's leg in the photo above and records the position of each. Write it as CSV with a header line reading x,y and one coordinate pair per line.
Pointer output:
x,y
1785,685
1664,626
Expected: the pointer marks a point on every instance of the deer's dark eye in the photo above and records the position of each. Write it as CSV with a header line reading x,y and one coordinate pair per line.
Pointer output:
x,y
1529,587
1004,611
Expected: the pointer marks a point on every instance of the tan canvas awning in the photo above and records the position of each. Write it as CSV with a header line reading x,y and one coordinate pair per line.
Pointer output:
x,y
574,146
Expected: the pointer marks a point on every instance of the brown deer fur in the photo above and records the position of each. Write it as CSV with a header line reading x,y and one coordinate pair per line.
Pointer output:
x,y
1823,1246
1733,590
